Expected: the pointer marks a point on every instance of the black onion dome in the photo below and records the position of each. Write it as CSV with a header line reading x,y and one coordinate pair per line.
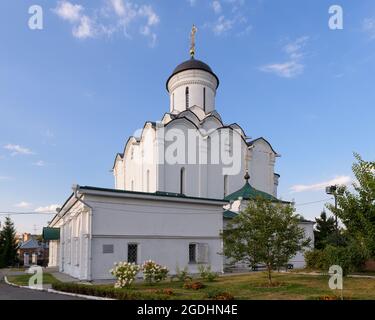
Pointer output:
x,y
190,65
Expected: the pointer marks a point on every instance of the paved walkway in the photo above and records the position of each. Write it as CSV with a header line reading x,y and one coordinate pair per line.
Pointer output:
x,y
63,277
12,293
8,292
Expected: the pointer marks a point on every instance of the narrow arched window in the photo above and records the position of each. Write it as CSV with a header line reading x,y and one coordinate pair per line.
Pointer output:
x,y
204,99
148,180
187,97
182,181
225,185
132,185
173,100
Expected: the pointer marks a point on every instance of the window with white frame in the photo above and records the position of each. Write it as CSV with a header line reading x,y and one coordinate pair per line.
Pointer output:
x,y
198,253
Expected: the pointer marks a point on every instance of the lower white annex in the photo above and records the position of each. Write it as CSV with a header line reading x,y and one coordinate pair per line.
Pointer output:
x,y
101,226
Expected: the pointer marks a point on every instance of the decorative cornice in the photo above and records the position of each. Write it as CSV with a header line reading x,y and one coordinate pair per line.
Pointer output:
x,y
190,82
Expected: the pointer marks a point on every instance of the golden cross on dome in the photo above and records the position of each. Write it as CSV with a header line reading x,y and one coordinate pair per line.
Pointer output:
x,y
192,37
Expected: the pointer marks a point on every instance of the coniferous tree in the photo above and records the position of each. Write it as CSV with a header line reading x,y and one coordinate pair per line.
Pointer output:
x,y
325,230
8,244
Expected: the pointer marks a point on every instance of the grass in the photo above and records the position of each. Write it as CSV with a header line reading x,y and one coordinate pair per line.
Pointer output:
x,y
23,280
254,286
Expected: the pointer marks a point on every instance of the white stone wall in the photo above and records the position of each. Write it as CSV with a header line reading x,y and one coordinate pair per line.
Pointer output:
x,y
138,171
172,252
262,167
163,229
70,252
299,260
53,252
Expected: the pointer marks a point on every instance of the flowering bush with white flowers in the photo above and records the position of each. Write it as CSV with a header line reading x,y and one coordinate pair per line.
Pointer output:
x,y
125,273
153,272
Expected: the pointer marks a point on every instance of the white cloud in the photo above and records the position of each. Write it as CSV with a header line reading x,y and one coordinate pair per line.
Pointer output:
x,y
294,49
146,31
294,66
68,11
47,209
39,163
231,18
148,12
152,20
23,204
288,69
338,180
245,32
5,178
85,28
114,16
17,149
368,26
119,7
192,2
216,6
222,25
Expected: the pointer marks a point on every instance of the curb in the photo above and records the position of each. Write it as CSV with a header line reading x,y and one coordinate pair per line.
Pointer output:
x,y
56,291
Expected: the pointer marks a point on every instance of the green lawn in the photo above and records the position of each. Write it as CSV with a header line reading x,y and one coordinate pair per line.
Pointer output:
x,y
250,286
23,280
290,286
253,286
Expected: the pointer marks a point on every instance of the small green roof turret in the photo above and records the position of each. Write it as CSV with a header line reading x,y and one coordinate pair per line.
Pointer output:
x,y
247,192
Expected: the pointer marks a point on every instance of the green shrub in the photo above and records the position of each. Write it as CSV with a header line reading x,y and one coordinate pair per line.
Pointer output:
x,y
125,273
193,285
181,275
206,273
153,272
315,259
350,258
217,294
108,292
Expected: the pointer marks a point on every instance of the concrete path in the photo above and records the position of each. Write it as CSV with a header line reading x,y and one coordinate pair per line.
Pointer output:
x,y
12,293
63,277
8,292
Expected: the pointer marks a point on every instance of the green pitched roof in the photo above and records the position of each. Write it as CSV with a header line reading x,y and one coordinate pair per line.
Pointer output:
x,y
247,192
227,214
51,233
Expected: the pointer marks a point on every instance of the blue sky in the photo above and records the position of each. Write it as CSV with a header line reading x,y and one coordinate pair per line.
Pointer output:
x,y
72,93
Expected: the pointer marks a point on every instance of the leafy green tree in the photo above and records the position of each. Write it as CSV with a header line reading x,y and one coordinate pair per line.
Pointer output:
x,y
325,230
356,209
265,232
8,244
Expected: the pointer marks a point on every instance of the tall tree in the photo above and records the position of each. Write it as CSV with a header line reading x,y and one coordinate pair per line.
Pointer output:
x,y
356,209
8,244
325,230
265,232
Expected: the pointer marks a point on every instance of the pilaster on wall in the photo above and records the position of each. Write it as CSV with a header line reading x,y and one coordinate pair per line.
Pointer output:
x,y
203,169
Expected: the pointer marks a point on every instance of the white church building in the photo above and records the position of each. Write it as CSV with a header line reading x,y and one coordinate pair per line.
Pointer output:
x,y
177,184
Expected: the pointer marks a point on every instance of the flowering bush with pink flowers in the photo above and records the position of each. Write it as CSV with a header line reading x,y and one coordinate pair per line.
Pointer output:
x,y
153,272
125,273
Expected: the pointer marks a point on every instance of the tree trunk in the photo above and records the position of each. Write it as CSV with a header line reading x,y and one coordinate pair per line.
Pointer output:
x,y
269,274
